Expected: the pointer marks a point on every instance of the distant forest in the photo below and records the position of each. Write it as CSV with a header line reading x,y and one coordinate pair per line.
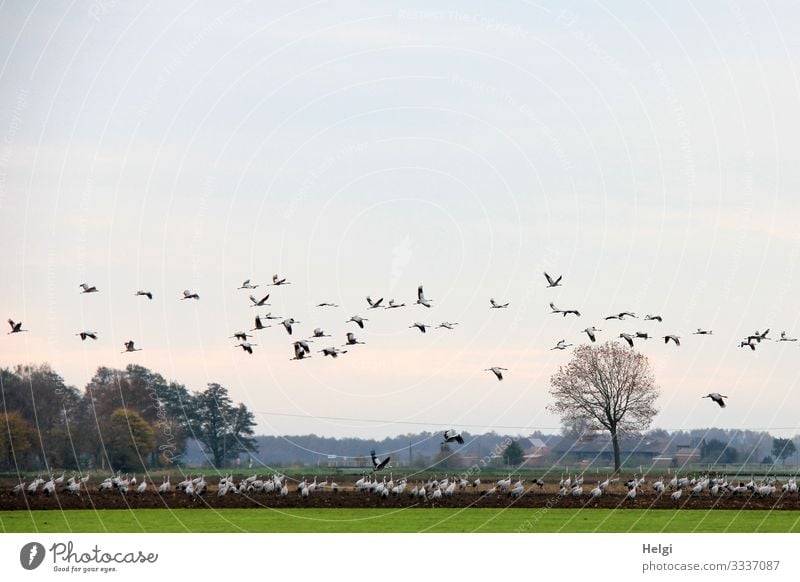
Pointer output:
x,y
134,419
122,420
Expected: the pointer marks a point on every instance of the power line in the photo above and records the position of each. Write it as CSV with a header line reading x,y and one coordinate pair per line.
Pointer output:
x,y
410,422
493,426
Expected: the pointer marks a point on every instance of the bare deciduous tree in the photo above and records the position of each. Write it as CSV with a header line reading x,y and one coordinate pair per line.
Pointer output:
x,y
609,384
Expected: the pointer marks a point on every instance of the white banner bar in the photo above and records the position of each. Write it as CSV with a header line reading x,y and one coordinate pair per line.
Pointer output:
x,y
387,557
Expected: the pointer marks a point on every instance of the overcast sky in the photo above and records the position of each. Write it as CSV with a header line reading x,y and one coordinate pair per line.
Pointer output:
x,y
647,152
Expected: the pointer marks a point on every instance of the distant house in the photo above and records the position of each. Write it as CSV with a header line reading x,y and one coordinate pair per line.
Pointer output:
x,y
662,461
471,459
685,454
535,450
598,450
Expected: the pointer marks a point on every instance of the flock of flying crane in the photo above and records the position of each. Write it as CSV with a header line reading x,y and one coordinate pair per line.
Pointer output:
x,y
302,349
432,488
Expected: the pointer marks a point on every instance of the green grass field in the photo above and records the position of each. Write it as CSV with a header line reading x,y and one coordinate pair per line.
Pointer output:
x,y
408,520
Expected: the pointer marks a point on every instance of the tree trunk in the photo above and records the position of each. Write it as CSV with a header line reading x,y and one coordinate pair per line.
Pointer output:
x,y
615,442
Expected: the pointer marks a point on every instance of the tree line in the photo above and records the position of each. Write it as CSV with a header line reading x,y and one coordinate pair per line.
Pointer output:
x,y
125,420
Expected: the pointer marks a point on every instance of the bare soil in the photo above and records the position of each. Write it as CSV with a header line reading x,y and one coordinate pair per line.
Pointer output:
x,y
347,497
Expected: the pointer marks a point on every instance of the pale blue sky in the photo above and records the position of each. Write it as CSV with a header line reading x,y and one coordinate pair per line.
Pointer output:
x,y
645,151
